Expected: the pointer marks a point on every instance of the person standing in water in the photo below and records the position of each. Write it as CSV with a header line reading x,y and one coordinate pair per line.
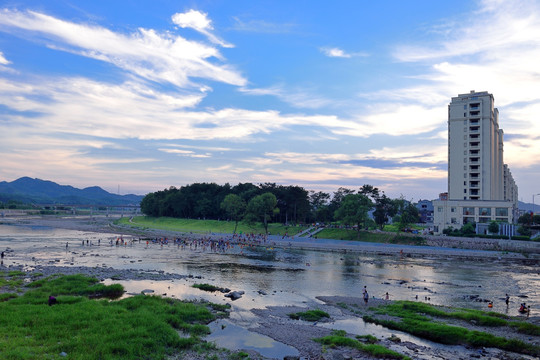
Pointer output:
x,y
366,295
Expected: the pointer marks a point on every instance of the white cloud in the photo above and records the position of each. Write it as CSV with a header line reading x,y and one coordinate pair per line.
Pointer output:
x,y
496,27
300,98
185,153
198,21
160,57
340,53
335,52
494,49
3,60
399,155
393,119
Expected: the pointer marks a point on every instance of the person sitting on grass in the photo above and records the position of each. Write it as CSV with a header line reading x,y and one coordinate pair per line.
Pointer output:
x,y
52,300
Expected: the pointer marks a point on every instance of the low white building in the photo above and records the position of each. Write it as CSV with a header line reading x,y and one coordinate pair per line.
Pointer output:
x,y
456,213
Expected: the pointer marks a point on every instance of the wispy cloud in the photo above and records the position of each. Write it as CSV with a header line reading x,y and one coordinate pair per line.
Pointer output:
x,y
160,57
495,48
3,60
299,98
200,22
340,53
261,26
335,52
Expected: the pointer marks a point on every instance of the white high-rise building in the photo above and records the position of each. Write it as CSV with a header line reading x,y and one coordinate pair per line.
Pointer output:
x,y
480,186
475,148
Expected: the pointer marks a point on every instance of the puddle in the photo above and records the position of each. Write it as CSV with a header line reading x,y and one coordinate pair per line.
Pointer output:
x,y
227,335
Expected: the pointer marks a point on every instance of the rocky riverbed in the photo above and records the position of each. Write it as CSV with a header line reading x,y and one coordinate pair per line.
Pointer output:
x,y
274,321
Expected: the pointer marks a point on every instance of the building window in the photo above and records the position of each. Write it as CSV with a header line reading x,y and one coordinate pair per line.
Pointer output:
x,y
484,219
484,211
465,191
468,211
439,209
501,211
452,209
453,220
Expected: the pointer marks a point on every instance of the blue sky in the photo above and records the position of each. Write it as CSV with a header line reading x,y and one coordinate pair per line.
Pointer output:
x,y
150,94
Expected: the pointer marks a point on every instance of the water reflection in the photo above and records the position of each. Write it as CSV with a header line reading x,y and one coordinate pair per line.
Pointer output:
x,y
227,335
288,275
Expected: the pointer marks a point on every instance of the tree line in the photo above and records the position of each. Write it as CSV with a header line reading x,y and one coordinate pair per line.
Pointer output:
x,y
269,202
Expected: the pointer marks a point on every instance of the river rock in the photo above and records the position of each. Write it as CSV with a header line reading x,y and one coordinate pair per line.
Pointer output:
x,y
234,295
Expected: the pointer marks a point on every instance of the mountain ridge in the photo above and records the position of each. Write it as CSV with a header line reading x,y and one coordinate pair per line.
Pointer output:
x,y
37,191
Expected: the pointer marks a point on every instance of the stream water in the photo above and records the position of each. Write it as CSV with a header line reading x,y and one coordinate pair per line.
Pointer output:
x,y
286,276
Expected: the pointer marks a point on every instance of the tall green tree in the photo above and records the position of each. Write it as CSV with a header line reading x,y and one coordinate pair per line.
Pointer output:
x,y
354,210
319,203
385,207
408,213
235,208
262,208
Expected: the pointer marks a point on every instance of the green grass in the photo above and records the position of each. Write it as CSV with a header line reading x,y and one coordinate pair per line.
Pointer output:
x,y
367,236
338,338
410,309
139,327
526,328
205,226
415,320
11,282
310,315
227,227
369,338
71,285
206,287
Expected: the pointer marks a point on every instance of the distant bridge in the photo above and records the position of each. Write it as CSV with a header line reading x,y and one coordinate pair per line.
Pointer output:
x,y
94,208
91,209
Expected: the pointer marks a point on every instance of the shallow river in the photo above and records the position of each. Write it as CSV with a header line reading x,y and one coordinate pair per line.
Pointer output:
x,y
286,276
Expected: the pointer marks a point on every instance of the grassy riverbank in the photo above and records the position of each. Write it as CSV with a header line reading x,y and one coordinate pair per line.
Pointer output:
x,y
227,227
85,324
205,226
369,236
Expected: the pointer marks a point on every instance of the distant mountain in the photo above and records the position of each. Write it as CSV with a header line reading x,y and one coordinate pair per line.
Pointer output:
x,y
528,207
38,191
